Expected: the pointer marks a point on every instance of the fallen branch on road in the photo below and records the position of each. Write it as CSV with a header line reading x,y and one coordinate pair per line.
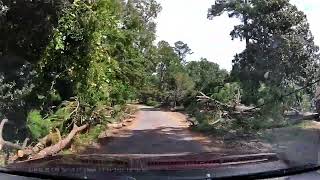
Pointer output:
x,y
40,151
51,150
226,109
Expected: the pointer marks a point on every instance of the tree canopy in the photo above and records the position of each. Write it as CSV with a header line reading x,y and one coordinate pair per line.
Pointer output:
x,y
64,62
206,75
280,49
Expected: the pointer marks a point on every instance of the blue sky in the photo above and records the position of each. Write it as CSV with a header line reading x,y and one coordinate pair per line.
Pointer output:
x,y
186,20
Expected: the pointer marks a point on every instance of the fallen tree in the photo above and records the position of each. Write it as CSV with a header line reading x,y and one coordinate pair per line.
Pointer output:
x,y
237,110
34,152
37,153
51,150
226,110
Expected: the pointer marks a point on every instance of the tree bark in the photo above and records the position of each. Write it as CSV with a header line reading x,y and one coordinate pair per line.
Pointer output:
x,y
317,99
245,22
51,150
33,150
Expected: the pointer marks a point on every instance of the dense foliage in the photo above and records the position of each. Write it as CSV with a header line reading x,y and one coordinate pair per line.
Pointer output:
x,y
66,62
280,53
97,53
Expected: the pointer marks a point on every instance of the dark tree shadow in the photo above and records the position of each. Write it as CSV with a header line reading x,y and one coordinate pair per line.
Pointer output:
x,y
162,140
27,26
26,30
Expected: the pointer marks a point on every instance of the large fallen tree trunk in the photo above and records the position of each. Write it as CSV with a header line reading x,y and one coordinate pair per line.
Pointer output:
x,y
51,150
40,148
35,149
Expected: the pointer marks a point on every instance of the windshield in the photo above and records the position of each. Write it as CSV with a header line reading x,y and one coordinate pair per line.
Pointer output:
x,y
217,83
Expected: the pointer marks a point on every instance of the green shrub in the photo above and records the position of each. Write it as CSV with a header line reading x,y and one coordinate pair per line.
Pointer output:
x,y
55,96
13,93
306,103
92,135
151,102
117,109
270,116
192,108
37,126
228,93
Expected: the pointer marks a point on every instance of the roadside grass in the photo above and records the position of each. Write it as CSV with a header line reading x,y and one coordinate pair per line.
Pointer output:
x,y
2,159
293,142
81,141
304,125
297,144
209,129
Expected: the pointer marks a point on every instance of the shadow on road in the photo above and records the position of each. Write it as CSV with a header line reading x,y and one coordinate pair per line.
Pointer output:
x,y
156,131
159,109
162,140
150,109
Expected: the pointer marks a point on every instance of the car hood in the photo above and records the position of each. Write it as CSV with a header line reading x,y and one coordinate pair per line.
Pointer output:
x,y
152,166
146,161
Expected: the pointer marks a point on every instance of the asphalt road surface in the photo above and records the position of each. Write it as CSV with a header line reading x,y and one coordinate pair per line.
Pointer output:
x,y
155,131
158,132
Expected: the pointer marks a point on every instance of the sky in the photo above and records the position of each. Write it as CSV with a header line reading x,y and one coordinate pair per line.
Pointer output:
x,y
186,20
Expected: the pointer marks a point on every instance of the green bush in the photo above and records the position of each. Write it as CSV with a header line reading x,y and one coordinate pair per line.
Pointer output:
x,y
270,116
228,93
37,126
94,133
306,103
151,102
192,108
13,91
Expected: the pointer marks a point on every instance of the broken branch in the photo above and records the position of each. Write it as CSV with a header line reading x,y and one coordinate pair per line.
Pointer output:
x,y
51,150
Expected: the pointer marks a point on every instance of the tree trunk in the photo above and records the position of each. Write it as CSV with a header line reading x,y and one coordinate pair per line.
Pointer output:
x,y
245,22
317,99
23,153
51,150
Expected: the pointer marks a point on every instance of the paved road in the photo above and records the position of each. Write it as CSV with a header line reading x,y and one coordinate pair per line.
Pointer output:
x,y
160,132
154,132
